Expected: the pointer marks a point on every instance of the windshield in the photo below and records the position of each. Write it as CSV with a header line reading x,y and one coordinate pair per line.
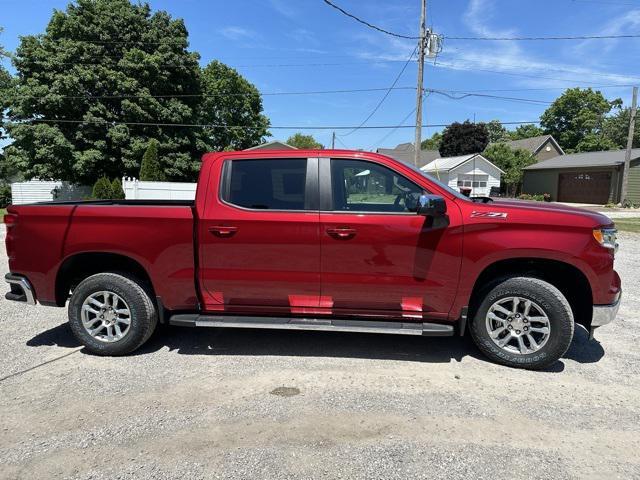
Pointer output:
x,y
444,186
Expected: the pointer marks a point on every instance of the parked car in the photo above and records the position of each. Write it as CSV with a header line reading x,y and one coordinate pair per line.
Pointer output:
x,y
329,240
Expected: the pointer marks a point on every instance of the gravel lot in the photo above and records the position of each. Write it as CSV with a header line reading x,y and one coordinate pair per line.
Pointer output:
x,y
200,403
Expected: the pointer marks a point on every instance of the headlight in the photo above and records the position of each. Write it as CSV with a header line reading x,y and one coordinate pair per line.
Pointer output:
x,y
606,237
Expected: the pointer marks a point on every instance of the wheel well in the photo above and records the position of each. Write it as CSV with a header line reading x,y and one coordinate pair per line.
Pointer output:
x,y
83,265
565,277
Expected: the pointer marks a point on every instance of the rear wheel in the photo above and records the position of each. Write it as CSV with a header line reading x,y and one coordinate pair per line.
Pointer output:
x,y
523,322
111,314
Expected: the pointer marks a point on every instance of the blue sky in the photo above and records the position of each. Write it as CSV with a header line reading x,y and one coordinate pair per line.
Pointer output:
x,y
263,38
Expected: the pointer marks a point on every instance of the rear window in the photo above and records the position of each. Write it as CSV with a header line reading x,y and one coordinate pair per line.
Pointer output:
x,y
266,184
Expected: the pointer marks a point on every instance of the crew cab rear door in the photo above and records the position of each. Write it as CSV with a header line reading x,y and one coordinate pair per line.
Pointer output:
x,y
259,245
379,257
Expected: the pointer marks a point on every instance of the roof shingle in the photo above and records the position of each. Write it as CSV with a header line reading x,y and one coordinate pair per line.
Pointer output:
x,y
586,159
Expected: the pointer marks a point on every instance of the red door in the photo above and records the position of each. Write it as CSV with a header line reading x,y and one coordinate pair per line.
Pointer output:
x,y
259,240
378,256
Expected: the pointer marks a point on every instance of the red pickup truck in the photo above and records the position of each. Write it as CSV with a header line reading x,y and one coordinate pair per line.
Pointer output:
x,y
330,240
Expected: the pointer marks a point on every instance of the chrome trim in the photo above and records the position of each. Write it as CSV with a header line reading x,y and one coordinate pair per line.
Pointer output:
x,y
24,284
604,314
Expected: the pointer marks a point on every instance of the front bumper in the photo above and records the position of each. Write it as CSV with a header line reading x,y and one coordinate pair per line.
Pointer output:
x,y
604,314
21,289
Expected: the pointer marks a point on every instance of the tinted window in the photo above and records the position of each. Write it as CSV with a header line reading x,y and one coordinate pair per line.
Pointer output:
x,y
266,184
363,186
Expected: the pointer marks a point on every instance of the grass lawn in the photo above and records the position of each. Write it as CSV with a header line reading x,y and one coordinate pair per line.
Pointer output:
x,y
2,212
628,224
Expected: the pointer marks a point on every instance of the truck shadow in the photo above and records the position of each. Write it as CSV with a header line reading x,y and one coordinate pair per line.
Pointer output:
x,y
250,342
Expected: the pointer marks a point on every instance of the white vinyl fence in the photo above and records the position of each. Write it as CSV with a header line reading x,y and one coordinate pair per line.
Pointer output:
x,y
46,191
140,190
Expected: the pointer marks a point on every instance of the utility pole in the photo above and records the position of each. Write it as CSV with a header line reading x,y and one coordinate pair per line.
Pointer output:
x,y
419,89
627,157
333,141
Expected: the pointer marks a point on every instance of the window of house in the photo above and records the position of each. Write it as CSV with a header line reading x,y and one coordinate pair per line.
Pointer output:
x,y
473,180
363,186
277,184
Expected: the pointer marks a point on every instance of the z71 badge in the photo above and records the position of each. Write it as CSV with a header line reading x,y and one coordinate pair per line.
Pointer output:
x,y
475,214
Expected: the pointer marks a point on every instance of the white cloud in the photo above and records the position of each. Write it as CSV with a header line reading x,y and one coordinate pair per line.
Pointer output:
x,y
284,7
628,23
237,33
509,58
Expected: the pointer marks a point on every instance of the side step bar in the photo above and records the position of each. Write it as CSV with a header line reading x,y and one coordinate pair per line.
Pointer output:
x,y
321,324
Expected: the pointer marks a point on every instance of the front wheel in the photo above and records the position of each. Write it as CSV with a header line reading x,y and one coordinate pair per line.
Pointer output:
x,y
111,314
523,322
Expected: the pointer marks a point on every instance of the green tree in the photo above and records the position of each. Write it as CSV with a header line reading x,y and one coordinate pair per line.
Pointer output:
x,y
511,161
302,141
616,128
107,68
150,169
463,138
576,114
497,133
526,131
432,143
102,189
5,85
595,142
116,189
229,99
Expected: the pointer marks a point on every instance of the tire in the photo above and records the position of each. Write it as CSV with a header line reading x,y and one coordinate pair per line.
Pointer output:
x,y
548,309
123,294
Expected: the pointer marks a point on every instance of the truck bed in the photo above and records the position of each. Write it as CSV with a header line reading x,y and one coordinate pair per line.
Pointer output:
x,y
156,234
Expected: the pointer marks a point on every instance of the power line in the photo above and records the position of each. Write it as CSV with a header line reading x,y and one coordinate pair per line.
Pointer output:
x,y
220,94
495,39
370,25
325,92
387,135
521,39
404,67
501,72
35,121
457,95
373,62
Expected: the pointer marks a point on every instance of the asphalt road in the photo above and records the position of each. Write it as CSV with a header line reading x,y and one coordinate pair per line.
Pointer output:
x,y
199,403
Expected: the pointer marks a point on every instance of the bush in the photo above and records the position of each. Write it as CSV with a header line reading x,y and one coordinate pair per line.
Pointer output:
x,y
5,195
102,189
116,190
150,167
538,197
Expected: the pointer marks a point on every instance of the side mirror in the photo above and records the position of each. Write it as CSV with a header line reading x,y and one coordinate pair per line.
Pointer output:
x,y
432,206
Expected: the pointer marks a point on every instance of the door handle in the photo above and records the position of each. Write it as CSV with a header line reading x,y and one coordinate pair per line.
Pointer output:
x,y
342,233
223,231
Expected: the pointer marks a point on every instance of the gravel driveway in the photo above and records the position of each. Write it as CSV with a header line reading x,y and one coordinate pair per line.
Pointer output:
x,y
204,403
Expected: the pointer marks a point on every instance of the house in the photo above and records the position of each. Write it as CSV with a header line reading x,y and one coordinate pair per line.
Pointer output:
x,y
273,145
542,147
473,171
405,152
589,177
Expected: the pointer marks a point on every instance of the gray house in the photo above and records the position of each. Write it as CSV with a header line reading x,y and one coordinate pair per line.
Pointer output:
x,y
405,152
542,147
590,177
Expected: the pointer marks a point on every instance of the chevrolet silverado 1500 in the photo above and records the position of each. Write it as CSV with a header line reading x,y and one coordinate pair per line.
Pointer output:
x,y
320,240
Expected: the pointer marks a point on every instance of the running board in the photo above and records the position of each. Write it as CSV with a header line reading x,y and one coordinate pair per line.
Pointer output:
x,y
320,324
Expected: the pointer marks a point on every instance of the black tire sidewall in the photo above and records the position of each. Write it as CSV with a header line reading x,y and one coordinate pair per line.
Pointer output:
x,y
143,314
550,299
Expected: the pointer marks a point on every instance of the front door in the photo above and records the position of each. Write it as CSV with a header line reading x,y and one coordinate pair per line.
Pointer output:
x,y
378,256
259,239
